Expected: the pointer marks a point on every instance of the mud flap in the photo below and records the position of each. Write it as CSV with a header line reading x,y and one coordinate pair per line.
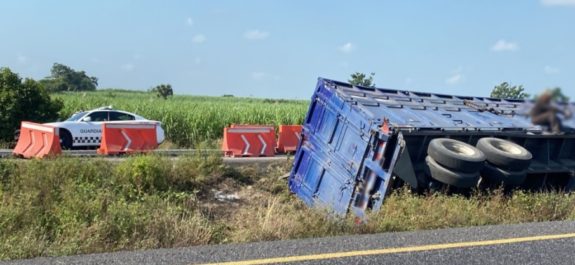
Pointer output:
x,y
404,168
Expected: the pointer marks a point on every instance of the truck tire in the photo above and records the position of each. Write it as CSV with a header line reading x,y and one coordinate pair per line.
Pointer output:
x,y
505,154
456,155
449,177
498,176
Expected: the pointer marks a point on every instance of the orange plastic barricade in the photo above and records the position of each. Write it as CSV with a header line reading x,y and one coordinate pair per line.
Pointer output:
x,y
37,140
289,137
128,138
246,140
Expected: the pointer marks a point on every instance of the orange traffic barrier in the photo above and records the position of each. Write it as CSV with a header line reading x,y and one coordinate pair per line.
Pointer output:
x,y
289,137
127,138
37,140
245,140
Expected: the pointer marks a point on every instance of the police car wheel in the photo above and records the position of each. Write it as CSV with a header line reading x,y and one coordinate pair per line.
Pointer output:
x,y
65,140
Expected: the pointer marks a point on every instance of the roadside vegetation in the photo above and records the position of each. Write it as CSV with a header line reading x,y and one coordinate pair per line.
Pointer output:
x,y
70,206
20,100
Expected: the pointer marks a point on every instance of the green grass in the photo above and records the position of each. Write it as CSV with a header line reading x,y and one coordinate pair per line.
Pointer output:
x,y
71,206
190,120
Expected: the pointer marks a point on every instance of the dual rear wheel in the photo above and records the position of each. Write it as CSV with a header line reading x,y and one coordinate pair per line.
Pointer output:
x,y
461,165
454,162
507,162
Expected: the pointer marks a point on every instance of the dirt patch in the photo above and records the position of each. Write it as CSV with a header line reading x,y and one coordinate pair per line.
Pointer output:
x,y
243,187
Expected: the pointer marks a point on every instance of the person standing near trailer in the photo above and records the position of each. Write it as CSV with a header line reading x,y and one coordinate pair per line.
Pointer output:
x,y
545,114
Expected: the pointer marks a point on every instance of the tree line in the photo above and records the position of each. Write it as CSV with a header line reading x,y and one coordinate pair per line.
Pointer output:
x,y
65,79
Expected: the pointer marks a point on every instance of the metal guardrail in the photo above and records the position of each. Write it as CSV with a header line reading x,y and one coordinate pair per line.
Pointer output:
x,y
92,153
174,153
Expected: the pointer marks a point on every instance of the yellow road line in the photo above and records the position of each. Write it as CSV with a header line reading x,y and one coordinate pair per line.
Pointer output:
x,y
348,254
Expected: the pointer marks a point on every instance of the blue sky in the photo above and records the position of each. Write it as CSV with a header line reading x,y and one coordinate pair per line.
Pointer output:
x,y
279,48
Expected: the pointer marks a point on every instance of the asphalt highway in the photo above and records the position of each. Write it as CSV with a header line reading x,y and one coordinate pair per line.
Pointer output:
x,y
533,243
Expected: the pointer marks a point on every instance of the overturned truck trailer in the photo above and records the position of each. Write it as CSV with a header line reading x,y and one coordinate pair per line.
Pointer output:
x,y
358,143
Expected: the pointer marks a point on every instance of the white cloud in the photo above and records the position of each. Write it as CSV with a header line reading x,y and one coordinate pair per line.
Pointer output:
x,y
200,38
258,76
263,76
190,21
128,67
558,2
456,77
347,48
505,46
551,70
22,59
256,34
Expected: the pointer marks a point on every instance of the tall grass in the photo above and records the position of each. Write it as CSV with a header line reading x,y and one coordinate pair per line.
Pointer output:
x,y
190,120
69,206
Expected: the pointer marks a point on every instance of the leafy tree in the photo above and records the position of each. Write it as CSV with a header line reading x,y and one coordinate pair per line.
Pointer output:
x,y
163,91
507,91
361,79
23,100
64,78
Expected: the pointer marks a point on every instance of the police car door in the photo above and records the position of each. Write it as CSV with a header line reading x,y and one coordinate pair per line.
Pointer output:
x,y
90,133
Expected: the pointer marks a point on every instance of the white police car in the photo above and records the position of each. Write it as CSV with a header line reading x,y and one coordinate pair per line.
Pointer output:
x,y
84,128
